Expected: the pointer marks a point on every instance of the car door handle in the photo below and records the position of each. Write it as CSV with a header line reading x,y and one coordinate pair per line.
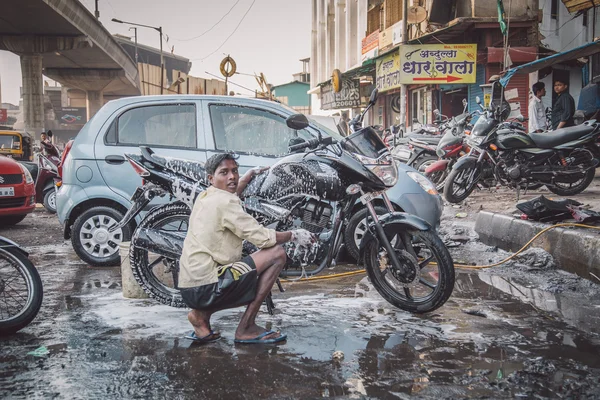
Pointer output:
x,y
114,159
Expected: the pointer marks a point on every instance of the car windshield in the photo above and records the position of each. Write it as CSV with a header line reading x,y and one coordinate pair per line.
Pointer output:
x,y
9,141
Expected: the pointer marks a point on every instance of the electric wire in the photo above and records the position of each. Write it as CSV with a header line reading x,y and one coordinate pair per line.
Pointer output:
x,y
212,27
228,37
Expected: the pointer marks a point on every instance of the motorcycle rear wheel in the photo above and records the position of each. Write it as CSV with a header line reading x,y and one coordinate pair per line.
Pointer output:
x,y
19,276
436,281
567,189
459,185
145,265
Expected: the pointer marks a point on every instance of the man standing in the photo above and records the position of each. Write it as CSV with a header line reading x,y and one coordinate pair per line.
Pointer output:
x,y
213,276
564,107
537,114
343,124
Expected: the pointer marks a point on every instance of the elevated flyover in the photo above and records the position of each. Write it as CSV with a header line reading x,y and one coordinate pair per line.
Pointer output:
x,y
64,41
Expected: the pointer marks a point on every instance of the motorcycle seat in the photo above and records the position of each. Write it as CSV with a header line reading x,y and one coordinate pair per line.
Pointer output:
x,y
193,170
550,139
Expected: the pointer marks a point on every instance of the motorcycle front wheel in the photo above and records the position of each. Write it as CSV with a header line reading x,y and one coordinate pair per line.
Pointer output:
x,y
460,184
157,274
424,254
21,291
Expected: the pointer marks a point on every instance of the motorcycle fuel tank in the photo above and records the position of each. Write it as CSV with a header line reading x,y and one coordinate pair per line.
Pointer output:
x,y
513,140
290,176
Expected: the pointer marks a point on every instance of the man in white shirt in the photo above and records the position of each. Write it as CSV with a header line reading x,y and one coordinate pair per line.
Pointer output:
x,y
537,113
213,275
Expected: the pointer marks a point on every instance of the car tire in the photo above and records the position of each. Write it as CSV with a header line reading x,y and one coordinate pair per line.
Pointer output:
x,y
50,200
12,219
356,228
91,240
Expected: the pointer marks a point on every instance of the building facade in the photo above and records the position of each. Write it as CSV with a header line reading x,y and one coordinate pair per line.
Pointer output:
x,y
361,39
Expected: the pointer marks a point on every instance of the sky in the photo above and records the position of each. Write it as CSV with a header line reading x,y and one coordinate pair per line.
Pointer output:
x,y
272,37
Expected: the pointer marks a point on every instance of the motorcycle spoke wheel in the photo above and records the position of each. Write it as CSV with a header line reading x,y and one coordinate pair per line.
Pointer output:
x,y
423,291
21,291
157,274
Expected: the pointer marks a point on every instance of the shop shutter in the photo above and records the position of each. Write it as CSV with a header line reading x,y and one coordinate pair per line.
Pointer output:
x,y
519,82
475,90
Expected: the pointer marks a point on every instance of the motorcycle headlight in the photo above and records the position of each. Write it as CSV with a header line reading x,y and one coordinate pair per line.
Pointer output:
x,y
385,169
28,177
425,183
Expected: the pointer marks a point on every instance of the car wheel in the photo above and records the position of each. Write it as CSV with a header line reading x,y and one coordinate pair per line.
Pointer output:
x,y
12,219
356,229
50,200
92,240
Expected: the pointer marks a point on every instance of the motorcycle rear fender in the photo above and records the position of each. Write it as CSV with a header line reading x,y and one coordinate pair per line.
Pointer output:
x,y
465,162
397,220
7,243
439,165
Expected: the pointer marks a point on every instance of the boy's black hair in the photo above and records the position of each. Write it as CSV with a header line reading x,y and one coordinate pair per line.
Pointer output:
x,y
561,81
537,87
214,161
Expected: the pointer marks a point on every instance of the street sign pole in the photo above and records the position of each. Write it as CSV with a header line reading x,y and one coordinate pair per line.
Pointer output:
x,y
403,86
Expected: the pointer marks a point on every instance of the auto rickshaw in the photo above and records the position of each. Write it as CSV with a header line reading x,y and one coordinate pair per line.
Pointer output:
x,y
16,145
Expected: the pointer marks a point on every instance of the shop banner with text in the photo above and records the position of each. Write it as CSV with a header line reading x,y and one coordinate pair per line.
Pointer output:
x,y
348,97
438,64
388,72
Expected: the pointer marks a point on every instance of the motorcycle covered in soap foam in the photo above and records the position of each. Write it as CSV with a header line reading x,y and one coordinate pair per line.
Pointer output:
x,y
315,188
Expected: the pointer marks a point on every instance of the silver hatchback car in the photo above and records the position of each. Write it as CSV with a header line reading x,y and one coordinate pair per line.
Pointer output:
x,y
97,182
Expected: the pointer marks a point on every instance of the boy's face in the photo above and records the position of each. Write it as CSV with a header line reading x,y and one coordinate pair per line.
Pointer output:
x,y
560,87
541,93
226,176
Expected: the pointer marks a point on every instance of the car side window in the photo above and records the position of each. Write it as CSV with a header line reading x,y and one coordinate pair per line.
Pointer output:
x,y
249,130
172,125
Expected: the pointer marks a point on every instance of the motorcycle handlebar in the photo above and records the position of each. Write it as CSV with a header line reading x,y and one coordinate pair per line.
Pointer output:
x,y
312,143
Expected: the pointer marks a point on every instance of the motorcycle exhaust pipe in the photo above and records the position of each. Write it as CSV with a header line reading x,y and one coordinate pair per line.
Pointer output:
x,y
160,242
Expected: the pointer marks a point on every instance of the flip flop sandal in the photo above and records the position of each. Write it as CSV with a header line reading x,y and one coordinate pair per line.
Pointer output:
x,y
211,337
259,339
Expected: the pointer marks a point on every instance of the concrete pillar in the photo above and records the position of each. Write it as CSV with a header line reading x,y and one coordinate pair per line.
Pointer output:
x,y
33,94
314,54
321,40
331,44
94,100
352,50
363,8
340,35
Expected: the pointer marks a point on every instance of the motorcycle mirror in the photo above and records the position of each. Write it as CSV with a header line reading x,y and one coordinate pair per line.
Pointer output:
x,y
464,102
477,99
436,112
415,121
374,95
297,121
520,118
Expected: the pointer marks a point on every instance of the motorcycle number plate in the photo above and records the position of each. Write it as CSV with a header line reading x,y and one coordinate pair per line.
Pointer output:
x,y
368,197
7,192
138,192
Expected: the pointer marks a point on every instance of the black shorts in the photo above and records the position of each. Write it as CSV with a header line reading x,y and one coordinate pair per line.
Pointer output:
x,y
236,287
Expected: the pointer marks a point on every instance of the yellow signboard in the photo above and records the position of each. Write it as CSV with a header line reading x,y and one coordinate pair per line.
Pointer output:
x,y
388,72
438,63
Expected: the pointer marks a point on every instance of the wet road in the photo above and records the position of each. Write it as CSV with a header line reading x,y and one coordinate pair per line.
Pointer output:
x,y
496,338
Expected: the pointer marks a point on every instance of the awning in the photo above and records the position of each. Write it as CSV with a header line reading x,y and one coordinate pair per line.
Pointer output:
x,y
581,51
580,5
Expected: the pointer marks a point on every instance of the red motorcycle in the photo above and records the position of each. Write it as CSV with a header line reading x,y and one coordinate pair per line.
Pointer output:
x,y
449,149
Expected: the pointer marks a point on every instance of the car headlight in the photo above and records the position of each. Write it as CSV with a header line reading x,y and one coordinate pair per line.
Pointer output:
x,y
28,177
425,183
385,168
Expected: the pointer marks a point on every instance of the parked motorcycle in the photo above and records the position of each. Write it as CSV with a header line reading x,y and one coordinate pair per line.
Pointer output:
x,y
21,289
315,187
563,160
45,189
450,148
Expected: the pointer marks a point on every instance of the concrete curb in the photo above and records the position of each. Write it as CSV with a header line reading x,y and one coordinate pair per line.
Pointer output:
x,y
574,250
